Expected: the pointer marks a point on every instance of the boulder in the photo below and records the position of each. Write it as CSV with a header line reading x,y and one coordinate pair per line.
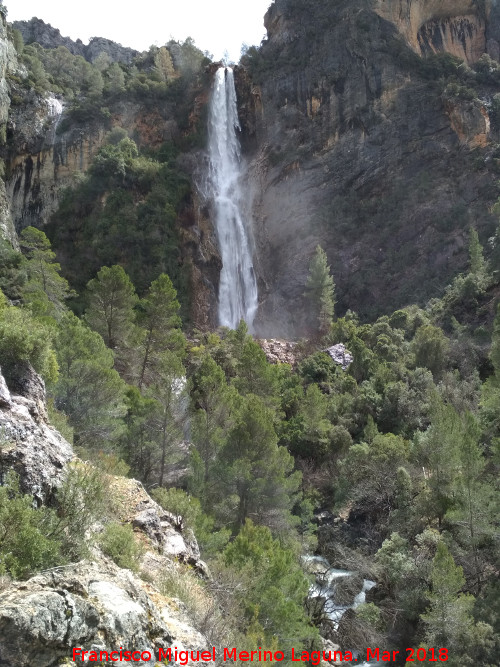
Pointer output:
x,y
340,355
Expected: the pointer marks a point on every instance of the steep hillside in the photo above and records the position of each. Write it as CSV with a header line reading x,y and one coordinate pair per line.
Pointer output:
x,y
368,134
92,604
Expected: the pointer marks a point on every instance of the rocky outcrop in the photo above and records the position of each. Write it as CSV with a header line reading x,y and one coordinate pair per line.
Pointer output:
x,y
28,444
92,606
355,145
37,30
165,531
49,150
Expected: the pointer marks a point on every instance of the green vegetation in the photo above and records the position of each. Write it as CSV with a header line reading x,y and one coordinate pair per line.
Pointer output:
x,y
405,440
24,545
124,212
320,292
118,542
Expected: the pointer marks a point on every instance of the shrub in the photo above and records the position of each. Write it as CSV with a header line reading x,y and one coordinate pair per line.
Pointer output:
x,y
181,503
82,499
25,339
118,542
25,546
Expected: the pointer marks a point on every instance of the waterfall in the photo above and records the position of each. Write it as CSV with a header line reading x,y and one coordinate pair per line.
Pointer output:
x,y
238,287
55,110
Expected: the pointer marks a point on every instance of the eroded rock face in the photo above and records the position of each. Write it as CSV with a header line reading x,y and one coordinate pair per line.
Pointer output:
x,y
278,351
431,26
8,63
353,146
30,447
94,606
340,355
165,531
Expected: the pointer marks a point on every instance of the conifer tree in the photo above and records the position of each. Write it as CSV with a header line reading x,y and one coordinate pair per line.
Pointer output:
x,y
473,517
257,473
112,299
320,291
213,406
159,320
476,257
449,621
89,390
45,290
165,390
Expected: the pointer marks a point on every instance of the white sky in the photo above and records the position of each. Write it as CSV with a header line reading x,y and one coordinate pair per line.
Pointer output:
x,y
215,25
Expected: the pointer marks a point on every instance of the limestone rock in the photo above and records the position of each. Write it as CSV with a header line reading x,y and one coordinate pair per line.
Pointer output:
x,y
164,529
29,446
340,355
338,118
430,26
26,382
8,64
5,400
95,606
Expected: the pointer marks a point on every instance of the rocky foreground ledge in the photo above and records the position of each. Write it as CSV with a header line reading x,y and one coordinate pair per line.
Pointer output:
x,y
93,604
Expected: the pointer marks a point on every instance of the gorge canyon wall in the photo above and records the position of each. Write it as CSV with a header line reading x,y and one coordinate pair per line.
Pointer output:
x,y
358,142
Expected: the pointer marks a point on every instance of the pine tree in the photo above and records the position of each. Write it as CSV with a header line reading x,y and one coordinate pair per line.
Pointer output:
x,y
440,455
448,621
115,80
112,298
255,471
473,517
89,390
159,321
165,390
45,290
164,64
476,257
213,406
320,291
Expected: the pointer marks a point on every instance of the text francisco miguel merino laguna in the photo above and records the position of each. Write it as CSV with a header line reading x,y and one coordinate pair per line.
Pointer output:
x,y
182,657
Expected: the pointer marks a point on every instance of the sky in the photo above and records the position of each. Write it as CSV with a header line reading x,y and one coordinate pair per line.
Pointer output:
x,y
216,26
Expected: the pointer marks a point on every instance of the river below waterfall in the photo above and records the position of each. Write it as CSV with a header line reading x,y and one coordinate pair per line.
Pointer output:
x,y
327,587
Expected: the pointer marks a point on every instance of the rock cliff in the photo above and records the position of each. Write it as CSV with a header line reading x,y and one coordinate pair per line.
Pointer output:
x,y
431,26
93,604
358,141
8,64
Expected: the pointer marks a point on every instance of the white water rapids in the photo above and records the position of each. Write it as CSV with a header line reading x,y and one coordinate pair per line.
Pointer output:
x,y
238,287
324,588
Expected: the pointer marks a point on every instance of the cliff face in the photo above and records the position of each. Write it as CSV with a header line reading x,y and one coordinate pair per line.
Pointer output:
x,y
8,64
430,26
356,143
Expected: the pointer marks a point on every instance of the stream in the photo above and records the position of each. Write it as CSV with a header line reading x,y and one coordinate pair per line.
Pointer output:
x,y
325,587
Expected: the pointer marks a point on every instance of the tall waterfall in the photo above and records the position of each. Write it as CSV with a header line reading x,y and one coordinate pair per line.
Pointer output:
x,y
238,287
